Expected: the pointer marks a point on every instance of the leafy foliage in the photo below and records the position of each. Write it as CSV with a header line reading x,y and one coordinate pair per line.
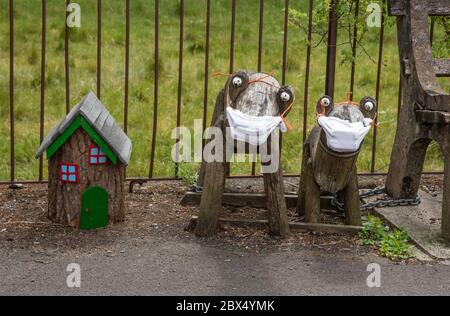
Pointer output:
x,y
350,14
395,246
373,231
188,173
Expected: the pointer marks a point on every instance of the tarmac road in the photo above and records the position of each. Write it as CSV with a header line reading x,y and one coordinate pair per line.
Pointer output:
x,y
161,267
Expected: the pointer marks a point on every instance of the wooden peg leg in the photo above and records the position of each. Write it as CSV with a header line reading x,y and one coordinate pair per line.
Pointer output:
x,y
275,192
352,203
211,202
312,197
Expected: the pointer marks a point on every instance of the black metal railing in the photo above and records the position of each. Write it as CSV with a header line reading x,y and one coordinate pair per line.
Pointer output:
x,y
284,41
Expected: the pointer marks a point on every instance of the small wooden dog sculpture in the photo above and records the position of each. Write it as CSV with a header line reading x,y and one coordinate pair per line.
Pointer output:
x,y
326,170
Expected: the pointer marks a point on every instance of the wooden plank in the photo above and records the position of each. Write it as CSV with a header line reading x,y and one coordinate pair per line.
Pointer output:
x,y
435,7
442,67
255,200
301,227
433,117
275,192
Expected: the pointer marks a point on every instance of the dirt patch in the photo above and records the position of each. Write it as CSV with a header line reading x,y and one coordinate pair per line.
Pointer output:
x,y
153,212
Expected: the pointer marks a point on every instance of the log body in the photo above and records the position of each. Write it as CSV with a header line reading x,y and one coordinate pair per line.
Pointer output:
x,y
332,171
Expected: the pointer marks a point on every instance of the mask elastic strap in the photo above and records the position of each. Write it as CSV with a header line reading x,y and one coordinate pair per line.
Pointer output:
x,y
283,115
262,79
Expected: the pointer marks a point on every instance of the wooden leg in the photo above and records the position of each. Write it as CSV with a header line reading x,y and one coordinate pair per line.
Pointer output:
x,y
302,186
276,204
312,199
275,192
211,202
213,182
446,201
407,160
218,111
352,203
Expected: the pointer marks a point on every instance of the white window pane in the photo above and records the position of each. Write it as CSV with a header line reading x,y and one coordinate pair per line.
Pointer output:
x,y
94,151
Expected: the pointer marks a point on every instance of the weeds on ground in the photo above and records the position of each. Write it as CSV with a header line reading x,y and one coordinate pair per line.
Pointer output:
x,y
188,173
391,244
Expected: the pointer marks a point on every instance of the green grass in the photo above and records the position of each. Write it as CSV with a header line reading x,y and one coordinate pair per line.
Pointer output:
x,y
83,75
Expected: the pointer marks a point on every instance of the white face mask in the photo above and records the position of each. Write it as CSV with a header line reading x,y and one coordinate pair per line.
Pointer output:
x,y
254,130
343,136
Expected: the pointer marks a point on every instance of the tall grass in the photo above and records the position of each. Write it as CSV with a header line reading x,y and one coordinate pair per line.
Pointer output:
x,y
83,74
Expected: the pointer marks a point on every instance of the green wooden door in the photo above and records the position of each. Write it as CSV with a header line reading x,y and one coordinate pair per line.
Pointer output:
x,y
94,208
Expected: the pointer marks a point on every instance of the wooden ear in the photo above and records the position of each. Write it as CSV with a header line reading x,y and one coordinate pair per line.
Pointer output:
x,y
285,98
368,107
325,105
237,83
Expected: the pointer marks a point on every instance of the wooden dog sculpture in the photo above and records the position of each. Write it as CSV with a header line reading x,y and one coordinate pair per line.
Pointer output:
x,y
326,170
256,95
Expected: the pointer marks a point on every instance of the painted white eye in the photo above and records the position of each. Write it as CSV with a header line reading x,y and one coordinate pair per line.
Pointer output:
x,y
369,106
285,97
326,102
237,82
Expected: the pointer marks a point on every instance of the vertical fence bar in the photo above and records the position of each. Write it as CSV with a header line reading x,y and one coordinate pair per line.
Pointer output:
x,y
156,87
308,70
380,64
180,82
206,83
66,59
285,40
354,50
127,71
331,50
260,51
260,34
127,66
285,48
400,96
99,49
233,35
11,90
433,24
43,62
232,45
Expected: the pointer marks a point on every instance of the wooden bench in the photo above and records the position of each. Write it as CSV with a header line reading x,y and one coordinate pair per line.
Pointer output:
x,y
425,112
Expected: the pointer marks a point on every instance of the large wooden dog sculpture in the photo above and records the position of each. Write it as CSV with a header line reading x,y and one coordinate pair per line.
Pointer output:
x,y
254,95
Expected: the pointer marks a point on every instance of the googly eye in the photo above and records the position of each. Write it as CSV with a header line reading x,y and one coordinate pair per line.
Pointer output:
x,y
285,97
326,102
369,106
237,82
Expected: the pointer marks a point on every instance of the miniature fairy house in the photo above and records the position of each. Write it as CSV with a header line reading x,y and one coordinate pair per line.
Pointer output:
x,y
87,154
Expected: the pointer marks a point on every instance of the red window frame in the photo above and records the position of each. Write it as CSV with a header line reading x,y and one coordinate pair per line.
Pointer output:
x,y
68,174
98,156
